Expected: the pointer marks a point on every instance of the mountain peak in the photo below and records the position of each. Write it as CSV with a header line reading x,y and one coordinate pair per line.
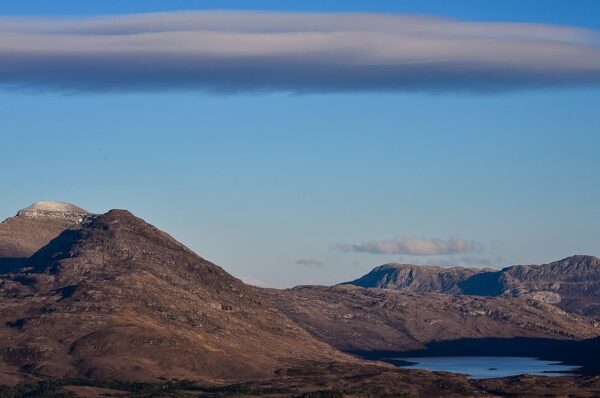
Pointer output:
x,y
45,209
415,278
115,243
120,216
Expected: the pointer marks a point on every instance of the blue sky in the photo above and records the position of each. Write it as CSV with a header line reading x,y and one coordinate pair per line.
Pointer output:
x,y
577,12
269,185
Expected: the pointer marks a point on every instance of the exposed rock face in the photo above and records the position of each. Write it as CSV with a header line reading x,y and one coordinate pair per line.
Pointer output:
x,y
44,209
32,228
357,319
572,283
119,299
416,278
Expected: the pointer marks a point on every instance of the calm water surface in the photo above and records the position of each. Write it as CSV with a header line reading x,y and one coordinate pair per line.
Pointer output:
x,y
490,367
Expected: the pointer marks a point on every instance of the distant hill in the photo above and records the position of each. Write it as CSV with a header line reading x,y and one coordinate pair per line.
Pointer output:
x,y
32,228
416,278
572,283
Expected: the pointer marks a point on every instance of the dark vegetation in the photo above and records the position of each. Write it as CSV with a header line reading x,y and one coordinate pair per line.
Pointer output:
x,y
323,394
49,389
172,389
175,389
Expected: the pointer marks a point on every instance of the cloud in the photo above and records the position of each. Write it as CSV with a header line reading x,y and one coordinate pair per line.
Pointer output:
x,y
415,247
309,262
234,52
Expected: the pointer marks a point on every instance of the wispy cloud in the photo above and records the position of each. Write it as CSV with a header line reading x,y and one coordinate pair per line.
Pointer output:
x,y
415,247
309,262
291,52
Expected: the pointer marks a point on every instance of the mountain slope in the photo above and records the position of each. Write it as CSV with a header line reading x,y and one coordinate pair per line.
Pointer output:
x,y
358,319
572,283
32,228
119,299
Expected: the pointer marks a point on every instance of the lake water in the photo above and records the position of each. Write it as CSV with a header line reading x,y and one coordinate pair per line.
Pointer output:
x,y
490,367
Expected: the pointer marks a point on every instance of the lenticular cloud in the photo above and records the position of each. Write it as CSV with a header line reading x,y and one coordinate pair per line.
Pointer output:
x,y
291,52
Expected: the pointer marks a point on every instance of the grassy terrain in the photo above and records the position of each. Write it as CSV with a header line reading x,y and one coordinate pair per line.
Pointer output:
x,y
55,389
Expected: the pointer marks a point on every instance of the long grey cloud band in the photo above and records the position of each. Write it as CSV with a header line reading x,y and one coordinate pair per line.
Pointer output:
x,y
288,52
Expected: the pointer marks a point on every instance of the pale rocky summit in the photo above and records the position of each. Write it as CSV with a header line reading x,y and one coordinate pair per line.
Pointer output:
x,y
45,209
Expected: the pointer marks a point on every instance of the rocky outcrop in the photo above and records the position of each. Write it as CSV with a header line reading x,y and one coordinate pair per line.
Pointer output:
x,y
416,278
53,210
572,283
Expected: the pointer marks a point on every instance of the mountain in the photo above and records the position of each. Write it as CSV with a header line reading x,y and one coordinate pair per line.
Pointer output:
x,y
111,297
365,320
32,228
415,278
116,298
572,284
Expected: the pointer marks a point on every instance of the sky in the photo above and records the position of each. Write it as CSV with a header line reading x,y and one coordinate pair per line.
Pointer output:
x,y
308,142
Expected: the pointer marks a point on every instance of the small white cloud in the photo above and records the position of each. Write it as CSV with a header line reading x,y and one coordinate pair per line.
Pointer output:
x,y
415,247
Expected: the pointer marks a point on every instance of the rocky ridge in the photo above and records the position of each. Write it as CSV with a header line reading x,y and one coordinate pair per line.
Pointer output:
x,y
572,283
